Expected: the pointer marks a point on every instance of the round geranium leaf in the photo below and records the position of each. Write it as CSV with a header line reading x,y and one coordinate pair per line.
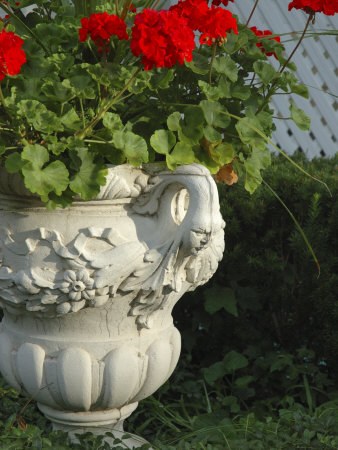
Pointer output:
x,y
163,141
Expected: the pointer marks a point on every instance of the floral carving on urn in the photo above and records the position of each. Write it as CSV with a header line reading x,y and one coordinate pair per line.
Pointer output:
x,y
88,292
77,288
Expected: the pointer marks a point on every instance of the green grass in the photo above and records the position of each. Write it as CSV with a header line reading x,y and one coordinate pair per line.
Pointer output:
x,y
175,421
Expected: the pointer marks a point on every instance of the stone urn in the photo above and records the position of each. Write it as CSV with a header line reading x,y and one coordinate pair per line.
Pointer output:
x,y
88,291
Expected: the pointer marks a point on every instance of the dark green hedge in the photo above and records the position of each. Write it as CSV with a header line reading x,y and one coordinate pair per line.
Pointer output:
x,y
267,273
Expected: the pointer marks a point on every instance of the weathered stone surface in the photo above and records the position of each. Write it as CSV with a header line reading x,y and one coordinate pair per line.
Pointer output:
x,y
88,291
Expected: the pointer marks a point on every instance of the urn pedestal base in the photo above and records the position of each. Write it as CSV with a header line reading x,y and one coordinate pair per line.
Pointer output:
x,y
96,422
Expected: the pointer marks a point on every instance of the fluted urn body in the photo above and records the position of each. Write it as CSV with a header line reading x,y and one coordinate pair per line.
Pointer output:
x,y
87,292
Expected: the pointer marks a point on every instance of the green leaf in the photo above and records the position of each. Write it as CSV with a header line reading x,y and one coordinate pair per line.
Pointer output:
x,y
214,114
247,133
220,298
243,382
211,134
57,91
241,91
57,147
252,51
161,79
259,160
39,179
100,74
299,117
265,71
39,117
112,121
292,81
234,42
140,83
133,146
227,66
213,373
191,125
181,154
199,64
71,120
173,121
234,361
202,156
223,153
300,89
90,175
14,163
211,92
62,62
163,141
81,82
224,87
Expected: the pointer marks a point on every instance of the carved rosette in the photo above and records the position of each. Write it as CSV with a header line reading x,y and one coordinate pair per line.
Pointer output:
x,y
88,291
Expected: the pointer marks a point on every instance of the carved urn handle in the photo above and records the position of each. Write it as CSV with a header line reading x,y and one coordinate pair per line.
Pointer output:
x,y
190,240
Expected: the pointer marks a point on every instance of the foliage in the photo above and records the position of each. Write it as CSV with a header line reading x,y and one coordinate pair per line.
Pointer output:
x,y
258,369
76,107
266,293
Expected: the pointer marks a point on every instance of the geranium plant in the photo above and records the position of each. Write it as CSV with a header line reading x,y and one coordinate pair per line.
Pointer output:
x,y
91,83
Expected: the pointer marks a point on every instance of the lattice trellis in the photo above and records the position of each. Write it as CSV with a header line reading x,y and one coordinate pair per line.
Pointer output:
x,y
317,63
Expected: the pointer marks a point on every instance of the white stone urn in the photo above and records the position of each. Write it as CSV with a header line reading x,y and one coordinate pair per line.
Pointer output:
x,y
88,291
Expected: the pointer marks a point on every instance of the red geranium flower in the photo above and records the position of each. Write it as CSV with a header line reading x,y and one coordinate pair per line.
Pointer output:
x,y
162,38
194,11
223,2
328,7
217,23
101,27
260,34
11,54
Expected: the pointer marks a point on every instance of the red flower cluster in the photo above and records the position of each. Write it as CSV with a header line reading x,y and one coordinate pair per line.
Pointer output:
x,y
214,23
328,7
223,2
100,27
11,54
162,38
193,11
260,34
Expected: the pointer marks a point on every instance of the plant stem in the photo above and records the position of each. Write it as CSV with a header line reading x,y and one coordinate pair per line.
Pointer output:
x,y
253,79
104,60
126,7
300,229
2,98
252,12
212,60
271,91
82,113
104,109
310,18
117,7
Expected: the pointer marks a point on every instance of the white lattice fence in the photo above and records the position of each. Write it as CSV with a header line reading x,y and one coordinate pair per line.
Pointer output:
x,y
317,62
